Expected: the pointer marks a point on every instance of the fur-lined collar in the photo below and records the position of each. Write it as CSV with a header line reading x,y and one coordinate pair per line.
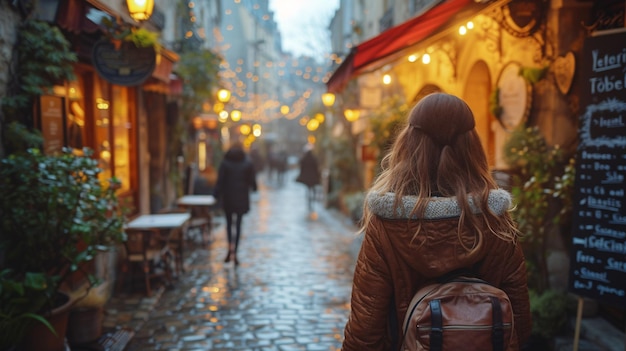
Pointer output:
x,y
437,208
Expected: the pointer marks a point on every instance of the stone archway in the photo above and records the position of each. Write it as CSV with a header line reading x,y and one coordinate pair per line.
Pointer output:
x,y
476,93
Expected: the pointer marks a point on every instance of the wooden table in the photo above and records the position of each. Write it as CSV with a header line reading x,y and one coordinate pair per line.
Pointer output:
x,y
201,217
161,237
196,200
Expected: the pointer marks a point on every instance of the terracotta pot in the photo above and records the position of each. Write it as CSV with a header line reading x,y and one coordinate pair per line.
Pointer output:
x,y
40,338
84,325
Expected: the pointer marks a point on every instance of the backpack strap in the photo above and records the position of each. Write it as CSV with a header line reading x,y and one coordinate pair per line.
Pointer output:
x,y
497,337
393,324
436,330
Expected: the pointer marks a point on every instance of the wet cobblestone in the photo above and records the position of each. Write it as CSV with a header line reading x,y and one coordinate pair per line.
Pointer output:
x,y
290,292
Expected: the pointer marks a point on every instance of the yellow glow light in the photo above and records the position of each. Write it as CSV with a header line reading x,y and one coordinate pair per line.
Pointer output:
x,y
328,99
223,95
412,58
351,115
462,30
312,125
426,59
245,129
140,10
386,79
319,117
218,107
284,109
223,114
235,115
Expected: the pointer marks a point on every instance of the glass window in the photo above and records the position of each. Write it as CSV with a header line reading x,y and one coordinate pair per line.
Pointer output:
x,y
121,129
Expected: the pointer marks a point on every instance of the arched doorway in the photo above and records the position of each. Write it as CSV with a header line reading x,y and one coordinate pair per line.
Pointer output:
x,y
426,89
476,93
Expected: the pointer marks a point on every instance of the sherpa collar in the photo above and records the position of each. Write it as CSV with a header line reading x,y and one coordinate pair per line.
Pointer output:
x,y
438,207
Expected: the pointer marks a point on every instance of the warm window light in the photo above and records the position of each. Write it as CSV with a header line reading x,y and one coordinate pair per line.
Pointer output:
x,y
140,10
351,115
426,59
386,79
223,95
328,99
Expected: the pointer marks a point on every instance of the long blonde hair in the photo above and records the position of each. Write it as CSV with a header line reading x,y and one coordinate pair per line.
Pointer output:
x,y
438,152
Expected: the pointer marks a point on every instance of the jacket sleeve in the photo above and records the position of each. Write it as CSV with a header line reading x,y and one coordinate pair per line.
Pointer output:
x,y
371,298
516,287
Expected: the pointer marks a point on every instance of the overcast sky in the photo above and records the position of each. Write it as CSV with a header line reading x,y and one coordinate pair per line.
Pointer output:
x,y
303,24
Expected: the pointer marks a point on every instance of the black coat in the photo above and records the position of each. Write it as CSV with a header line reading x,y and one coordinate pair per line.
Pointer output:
x,y
235,179
309,170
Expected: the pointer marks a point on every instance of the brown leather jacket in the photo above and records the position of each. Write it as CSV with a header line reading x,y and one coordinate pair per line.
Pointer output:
x,y
390,267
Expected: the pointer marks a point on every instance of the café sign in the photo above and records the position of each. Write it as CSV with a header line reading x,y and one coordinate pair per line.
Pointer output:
x,y
125,65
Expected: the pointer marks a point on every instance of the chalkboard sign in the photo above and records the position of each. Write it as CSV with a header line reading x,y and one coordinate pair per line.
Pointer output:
x,y
598,257
52,123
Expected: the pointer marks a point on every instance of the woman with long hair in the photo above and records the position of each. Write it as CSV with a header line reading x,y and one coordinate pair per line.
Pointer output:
x,y
236,178
434,209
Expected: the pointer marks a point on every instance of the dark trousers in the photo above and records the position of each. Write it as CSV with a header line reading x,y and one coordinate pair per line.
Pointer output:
x,y
229,228
310,196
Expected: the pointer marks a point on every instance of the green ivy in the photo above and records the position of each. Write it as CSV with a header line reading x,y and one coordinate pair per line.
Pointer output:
x,y
44,58
541,175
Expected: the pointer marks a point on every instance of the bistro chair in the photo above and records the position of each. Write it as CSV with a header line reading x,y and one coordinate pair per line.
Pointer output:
x,y
176,238
147,253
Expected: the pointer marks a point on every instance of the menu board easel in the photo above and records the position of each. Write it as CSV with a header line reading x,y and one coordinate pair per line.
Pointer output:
x,y
598,256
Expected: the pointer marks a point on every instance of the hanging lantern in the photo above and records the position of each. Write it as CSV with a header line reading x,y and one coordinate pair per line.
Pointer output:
x,y
140,10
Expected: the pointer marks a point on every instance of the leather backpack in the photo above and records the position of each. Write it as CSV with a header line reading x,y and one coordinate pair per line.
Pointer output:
x,y
459,313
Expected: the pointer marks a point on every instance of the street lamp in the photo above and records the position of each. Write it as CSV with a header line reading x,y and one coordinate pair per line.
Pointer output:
x,y
351,115
140,10
328,99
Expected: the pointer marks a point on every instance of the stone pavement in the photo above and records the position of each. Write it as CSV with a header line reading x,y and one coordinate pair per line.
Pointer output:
x,y
290,291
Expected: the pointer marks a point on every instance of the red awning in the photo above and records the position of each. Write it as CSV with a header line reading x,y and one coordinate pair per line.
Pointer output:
x,y
400,37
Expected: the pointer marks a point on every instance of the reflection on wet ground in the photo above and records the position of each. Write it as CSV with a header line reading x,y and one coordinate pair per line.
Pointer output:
x,y
291,290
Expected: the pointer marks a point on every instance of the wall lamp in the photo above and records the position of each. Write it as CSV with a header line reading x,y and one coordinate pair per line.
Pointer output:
x,y
140,10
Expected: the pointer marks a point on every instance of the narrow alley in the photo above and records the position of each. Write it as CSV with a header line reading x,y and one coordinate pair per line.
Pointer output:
x,y
290,291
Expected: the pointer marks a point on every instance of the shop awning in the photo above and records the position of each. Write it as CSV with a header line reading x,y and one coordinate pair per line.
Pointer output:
x,y
369,54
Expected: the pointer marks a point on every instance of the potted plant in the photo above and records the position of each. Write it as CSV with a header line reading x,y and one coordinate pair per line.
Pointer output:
x,y
55,215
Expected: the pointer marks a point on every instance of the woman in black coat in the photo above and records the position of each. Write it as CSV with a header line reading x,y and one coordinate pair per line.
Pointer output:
x,y
236,177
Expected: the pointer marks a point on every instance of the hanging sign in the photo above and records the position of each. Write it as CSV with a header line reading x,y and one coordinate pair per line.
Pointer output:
x,y
522,17
126,65
514,96
598,256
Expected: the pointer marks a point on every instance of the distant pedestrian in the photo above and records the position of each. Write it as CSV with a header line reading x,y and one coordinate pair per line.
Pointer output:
x,y
309,174
236,177
434,209
281,166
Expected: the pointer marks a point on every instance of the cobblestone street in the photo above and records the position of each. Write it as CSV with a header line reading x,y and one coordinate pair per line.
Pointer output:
x,y
290,291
